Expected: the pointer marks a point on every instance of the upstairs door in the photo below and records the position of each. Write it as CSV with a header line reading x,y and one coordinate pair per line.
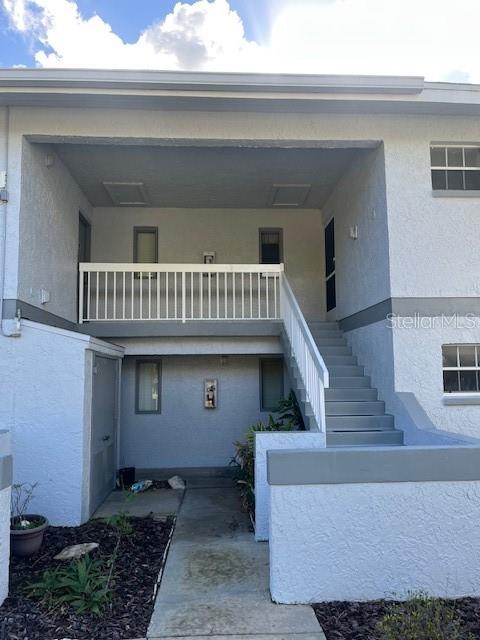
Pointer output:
x,y
330,266
104,429
84,239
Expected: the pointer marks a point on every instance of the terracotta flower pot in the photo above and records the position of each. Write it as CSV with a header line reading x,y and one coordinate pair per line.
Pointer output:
x,y
25,542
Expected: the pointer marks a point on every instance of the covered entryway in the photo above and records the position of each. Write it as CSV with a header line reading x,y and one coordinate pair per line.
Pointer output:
x,y
104,429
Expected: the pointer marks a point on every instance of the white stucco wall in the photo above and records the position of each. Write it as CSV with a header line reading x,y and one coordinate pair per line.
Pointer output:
x,y
202,345
184,234
369,541
417,344
5,449
186,434
361,266
50,205
271,442
45,380
4,542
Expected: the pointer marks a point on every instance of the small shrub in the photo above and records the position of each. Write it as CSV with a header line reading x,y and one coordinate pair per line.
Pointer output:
x,y
289,412
83,585
22,495
422,618
120,523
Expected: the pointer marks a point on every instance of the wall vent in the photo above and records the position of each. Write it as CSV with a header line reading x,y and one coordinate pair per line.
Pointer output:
x,y
127,194
290,195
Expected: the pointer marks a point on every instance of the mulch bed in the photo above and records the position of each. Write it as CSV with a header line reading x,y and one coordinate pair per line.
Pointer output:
x,y
359,620
126,616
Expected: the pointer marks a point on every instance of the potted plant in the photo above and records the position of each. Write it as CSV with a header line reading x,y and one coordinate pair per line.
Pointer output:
x,y
26,529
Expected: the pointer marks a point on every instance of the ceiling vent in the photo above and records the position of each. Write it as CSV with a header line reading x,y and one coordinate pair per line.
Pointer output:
x,y
127,194
290,195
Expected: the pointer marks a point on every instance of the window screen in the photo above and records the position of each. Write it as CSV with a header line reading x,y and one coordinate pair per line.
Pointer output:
x,y
271,383
271,246
455,168
461,368
145,244
148,386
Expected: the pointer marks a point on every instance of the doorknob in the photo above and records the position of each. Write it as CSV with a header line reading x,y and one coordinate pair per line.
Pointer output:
x,y
105,438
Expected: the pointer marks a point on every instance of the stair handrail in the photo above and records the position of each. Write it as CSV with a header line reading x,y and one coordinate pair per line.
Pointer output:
x,y
311,366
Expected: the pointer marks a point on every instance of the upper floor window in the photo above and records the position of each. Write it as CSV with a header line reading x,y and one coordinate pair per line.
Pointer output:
x,y
455,168
461,368
271,249
145,244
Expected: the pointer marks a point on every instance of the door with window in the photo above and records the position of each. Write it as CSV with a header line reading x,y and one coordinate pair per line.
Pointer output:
x,y
330,285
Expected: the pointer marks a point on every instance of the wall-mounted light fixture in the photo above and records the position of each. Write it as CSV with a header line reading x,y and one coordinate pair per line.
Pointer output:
x,y
354,232
210,394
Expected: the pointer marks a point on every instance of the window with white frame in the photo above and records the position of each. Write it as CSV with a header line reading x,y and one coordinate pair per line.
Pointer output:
x,y
148,386
455,168
461,368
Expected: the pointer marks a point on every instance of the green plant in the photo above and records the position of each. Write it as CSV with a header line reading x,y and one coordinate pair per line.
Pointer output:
x,y
245,459
422,617
289,412
83,585
120,523
22,494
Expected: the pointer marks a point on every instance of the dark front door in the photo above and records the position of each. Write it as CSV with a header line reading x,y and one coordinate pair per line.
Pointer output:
x,y
330,265
84,234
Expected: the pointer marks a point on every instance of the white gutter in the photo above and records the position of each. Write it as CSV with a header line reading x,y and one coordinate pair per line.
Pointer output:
x,y
208,81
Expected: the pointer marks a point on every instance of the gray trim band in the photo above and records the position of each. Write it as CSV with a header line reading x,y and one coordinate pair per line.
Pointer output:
x,y
152,328
410,308
6,472
374,465
35,314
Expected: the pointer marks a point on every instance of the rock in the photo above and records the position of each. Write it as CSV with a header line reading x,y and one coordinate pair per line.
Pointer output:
x,y
176,482
76,551
160,518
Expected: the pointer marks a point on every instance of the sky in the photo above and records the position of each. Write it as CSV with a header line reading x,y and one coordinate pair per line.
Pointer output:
x,y
437,39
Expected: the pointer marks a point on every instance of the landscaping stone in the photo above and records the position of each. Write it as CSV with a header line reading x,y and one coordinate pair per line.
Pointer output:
x,y
176,482
76,551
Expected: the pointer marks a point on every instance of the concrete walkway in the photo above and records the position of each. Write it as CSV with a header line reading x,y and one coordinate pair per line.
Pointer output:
x,y
215,582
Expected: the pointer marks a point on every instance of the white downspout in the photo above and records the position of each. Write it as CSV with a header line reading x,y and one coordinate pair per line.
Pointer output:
x,y
9,328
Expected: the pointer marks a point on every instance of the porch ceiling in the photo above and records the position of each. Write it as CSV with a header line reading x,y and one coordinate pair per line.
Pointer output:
x,y
206,177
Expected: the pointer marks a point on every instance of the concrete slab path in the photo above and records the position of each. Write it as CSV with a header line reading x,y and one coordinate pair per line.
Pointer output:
x,y
215,582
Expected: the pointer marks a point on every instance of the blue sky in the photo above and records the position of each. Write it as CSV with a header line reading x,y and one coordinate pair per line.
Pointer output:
x,y
128,18
437,39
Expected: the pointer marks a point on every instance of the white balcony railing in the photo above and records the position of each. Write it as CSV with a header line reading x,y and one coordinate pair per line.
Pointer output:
x,y
182,292
310,364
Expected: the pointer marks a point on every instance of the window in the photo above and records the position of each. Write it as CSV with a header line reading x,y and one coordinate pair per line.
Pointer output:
x,y
271,246
461,368
145,244
455,168
147,386
271,383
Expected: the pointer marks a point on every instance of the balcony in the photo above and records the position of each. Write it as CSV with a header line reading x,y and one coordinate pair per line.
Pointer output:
x,y
178,292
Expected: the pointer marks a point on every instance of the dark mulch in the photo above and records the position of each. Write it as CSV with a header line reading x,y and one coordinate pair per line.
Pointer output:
x,y
359,620
128,614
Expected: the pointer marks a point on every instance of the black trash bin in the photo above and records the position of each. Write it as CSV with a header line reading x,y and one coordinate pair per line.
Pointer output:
x,y
126,477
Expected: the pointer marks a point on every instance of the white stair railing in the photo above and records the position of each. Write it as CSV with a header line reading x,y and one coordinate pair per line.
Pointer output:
x,y
310,364
182,292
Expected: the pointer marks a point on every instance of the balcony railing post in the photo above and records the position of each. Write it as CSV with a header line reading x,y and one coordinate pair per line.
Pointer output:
x,y
81,286
184,298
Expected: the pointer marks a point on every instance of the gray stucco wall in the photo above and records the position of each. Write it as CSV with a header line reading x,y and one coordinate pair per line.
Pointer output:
x,y
361,265
50,204
3,137
185,434
184,234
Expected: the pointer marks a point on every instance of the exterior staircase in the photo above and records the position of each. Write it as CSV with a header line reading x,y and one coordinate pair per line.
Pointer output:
x,y
354,415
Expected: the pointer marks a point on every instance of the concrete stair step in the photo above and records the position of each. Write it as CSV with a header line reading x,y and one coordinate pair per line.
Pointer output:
x,y
339,360
326,333
340,350
365,438
342,371
360,423
350,395
355,408
349,382
322,324
330,342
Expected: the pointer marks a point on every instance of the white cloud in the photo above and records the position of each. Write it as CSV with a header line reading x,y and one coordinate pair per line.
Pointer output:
x,y
434,38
